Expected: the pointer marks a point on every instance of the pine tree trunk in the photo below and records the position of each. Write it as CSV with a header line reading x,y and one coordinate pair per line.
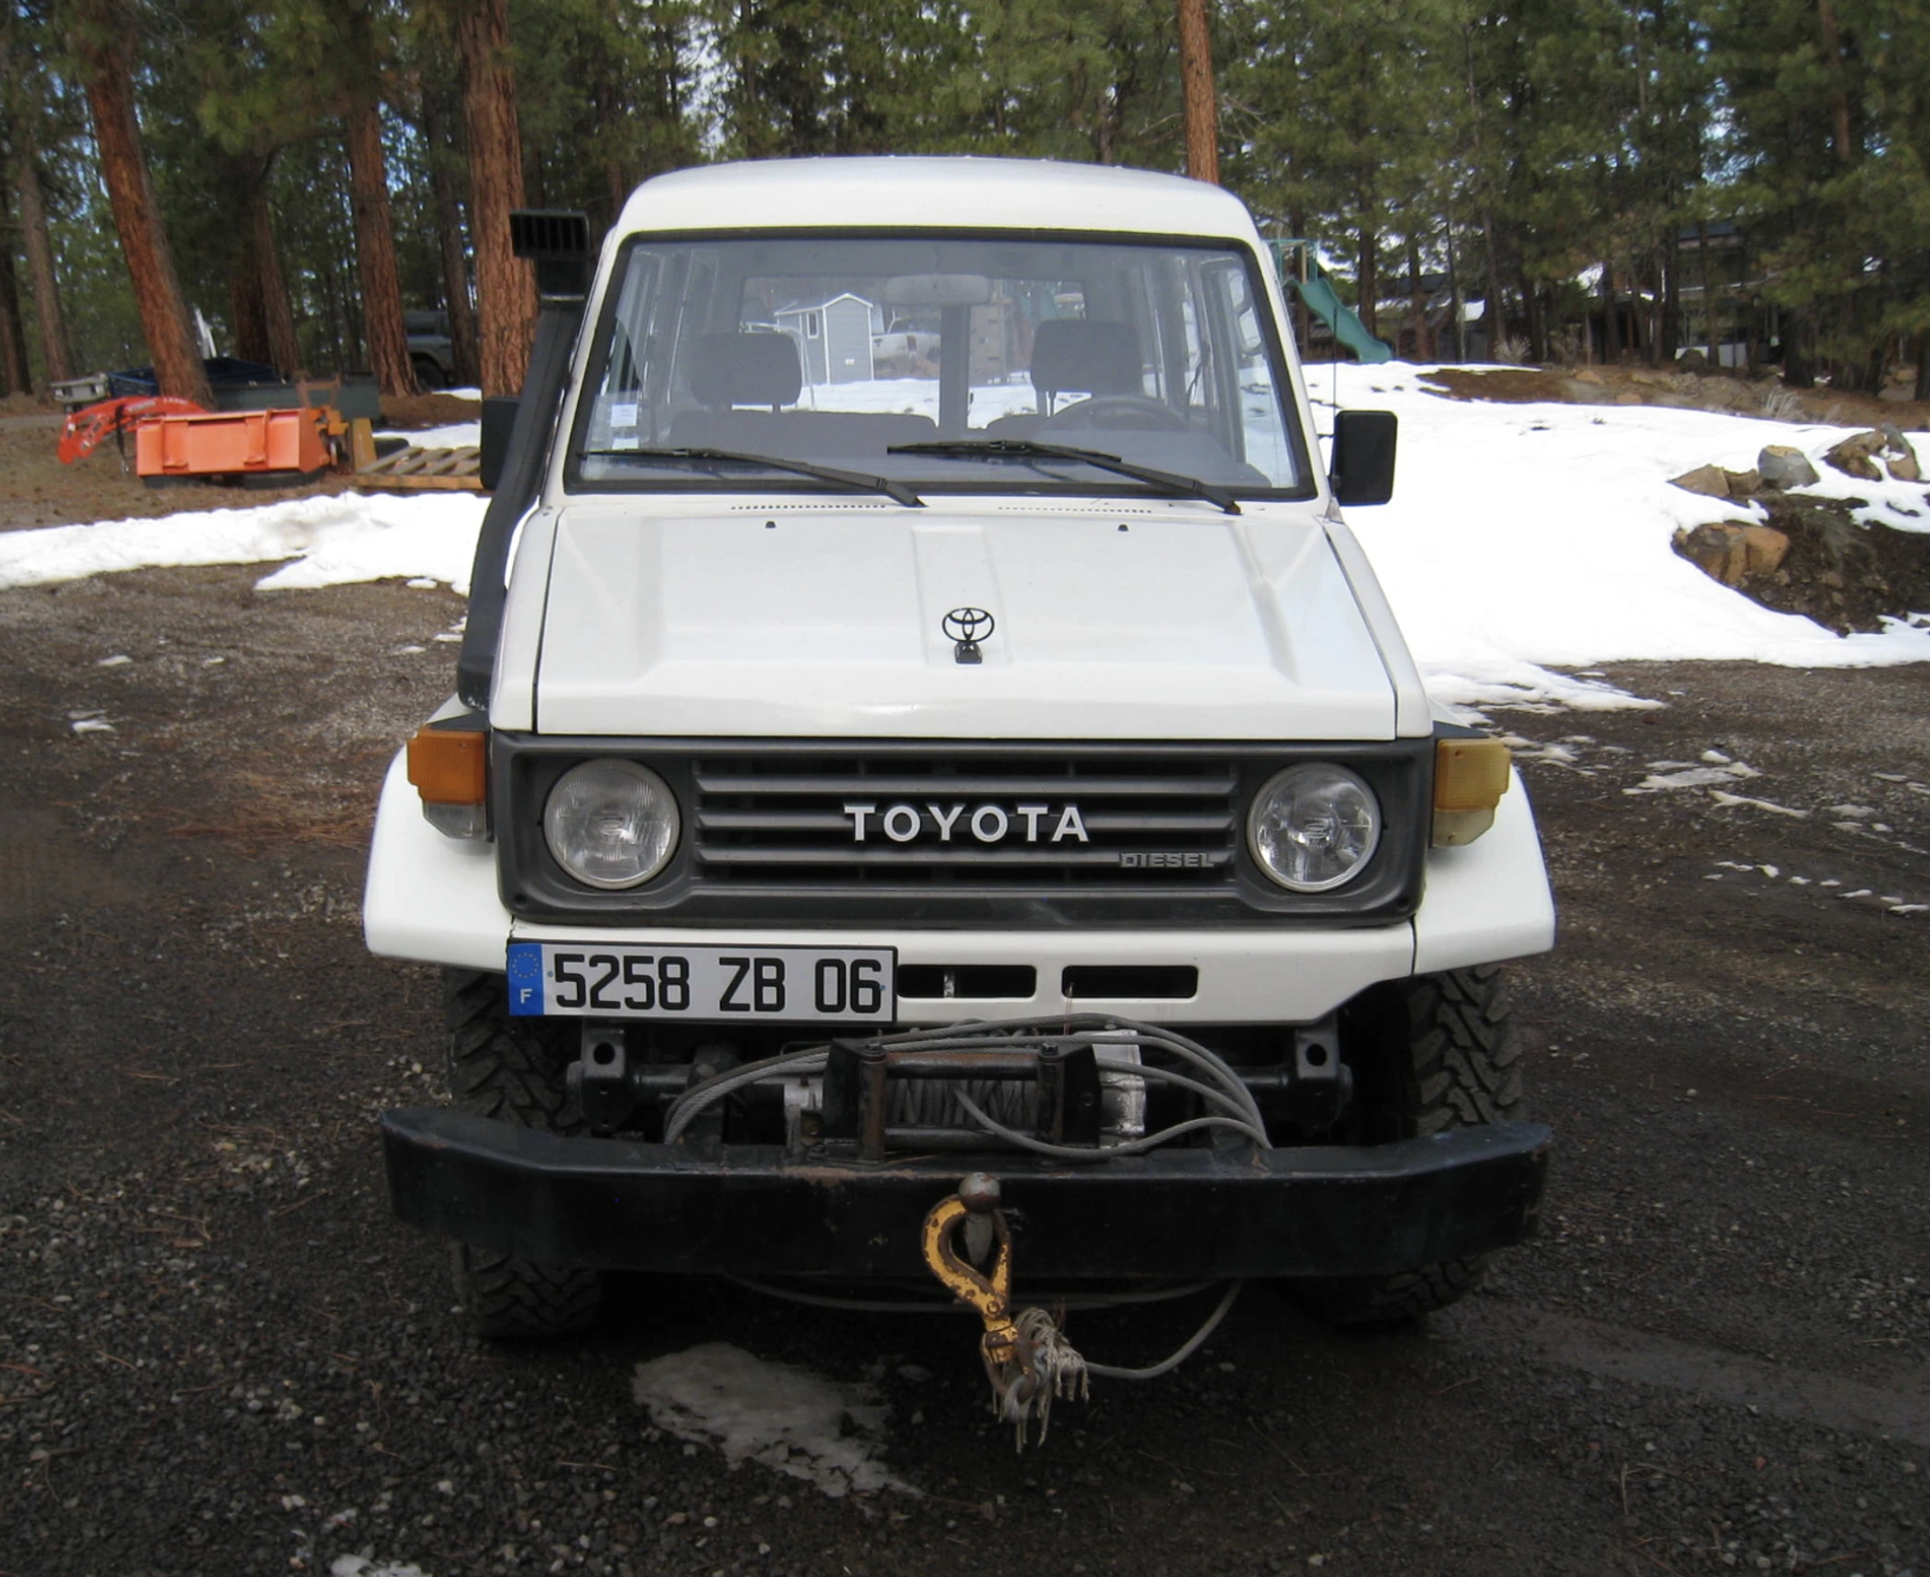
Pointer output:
x,y
1417,305
447,199
1923,366
1367,269
505,287
1196,78
55,348
284,347
388,339
1611,319
1799,370
1495,317
101,41
14,371
247,312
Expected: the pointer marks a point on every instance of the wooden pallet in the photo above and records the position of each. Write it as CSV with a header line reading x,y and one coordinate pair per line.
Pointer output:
x,y
451,469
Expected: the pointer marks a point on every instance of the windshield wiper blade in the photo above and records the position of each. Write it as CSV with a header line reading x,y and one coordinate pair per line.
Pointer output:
x,y
1031,449
897,492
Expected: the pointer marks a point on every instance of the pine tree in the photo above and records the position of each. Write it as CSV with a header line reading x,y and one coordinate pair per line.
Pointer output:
x,y
505,287
102,31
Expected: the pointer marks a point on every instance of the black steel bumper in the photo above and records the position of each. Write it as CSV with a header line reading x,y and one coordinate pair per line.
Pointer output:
x,y
1177,1213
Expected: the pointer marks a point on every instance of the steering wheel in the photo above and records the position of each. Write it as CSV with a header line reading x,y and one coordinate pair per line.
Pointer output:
x,y
1128,412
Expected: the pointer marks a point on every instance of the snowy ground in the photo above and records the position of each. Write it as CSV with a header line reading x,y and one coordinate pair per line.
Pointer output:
x,y
1526,535
1521,536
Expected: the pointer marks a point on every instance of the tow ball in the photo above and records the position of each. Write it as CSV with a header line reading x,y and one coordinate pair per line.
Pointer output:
x,y
1027,1359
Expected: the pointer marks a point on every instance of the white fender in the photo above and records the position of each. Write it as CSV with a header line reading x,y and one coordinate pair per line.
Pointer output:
x,y
429,897
1489,899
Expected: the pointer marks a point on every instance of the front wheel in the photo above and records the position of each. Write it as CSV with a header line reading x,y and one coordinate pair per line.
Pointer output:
x,y
514,1073
1431,1053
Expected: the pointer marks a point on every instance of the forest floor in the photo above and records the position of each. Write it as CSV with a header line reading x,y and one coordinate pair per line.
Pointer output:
x,y
220,1354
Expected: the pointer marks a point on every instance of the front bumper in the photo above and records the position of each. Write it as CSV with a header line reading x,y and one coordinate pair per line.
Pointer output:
x,y
753,1210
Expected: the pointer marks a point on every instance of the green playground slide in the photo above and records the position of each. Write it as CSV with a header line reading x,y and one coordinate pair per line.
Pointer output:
x,y
1324,303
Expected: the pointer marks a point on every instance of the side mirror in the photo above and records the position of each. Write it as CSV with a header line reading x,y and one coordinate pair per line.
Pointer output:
x,y
498,422
1363,469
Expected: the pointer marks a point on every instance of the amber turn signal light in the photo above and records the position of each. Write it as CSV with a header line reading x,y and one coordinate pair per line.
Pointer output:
x,y
449,766
1470,776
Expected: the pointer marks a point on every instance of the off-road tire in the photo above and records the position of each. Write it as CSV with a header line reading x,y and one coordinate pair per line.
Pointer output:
x,y
1449,1055
513,1073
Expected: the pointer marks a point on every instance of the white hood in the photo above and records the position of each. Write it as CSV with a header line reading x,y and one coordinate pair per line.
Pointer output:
x,y
1148,620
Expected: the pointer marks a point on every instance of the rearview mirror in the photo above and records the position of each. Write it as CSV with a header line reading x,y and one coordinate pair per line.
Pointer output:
x,y
498,421
1363,468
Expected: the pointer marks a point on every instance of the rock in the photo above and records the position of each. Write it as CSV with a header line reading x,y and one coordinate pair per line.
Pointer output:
x,y
1589,375
1733,550
1709,480
1854,456
1764,549
1783,467
1743,483
1899,456
1692,361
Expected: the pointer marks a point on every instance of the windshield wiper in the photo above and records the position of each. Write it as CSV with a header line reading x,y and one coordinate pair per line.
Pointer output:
x,y
897,492
1028,449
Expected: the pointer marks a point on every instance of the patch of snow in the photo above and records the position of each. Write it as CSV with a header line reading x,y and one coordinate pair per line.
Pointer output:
x,y
1760,804
329,541
115,661
458,435
1697,777
1505,558
363,1566
1850,810
92,725
786,1418
1716,758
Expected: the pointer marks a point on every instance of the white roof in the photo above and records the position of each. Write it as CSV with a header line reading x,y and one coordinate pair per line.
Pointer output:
x,y
930,193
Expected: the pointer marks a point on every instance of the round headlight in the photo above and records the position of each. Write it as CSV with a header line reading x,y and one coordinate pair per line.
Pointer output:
x,y
611,823
1313,827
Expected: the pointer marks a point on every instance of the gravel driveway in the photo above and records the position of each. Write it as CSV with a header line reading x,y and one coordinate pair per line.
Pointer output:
x,y
219,1354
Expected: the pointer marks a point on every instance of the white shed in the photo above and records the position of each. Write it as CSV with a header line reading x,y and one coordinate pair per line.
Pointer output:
x,y
833,338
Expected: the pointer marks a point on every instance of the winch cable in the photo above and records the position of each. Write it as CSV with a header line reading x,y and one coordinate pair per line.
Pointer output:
x,y
1076,1301
1020,1035
1193,1344
1070,1152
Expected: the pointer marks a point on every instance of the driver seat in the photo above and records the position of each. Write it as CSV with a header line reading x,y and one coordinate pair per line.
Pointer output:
x,y
1088,356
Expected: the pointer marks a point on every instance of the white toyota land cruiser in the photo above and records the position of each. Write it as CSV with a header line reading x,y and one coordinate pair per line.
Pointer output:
x,y
856,782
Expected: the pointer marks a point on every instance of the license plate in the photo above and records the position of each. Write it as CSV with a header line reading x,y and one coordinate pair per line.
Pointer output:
x,y
780,985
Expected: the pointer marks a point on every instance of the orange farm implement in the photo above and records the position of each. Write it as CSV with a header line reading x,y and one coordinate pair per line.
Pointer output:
x,y
176,440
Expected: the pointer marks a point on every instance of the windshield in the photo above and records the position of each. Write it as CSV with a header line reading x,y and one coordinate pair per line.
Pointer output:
x,y
845,350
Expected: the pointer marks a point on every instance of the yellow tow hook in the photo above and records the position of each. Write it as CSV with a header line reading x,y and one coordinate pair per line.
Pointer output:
x,y
1015,1348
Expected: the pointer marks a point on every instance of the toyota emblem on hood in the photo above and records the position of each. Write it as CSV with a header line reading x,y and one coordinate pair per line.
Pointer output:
x,y
967,626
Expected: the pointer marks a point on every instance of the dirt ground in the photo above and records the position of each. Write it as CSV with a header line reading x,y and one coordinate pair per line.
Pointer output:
x,y
1713,390
220,1354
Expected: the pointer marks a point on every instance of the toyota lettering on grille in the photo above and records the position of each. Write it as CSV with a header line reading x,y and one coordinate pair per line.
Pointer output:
x,y
904,823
